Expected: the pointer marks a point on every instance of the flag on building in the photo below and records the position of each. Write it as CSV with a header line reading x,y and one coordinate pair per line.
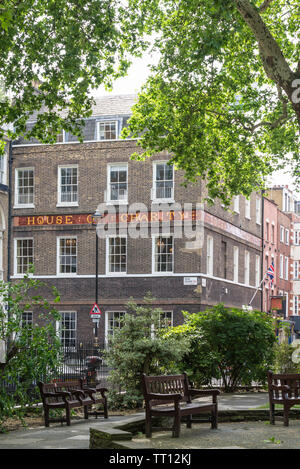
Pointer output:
x,y
271,272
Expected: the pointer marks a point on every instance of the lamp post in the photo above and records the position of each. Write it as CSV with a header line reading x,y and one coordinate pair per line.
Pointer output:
x,y
96,217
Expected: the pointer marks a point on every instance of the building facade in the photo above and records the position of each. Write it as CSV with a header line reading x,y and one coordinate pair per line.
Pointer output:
x,y
287,252
155,235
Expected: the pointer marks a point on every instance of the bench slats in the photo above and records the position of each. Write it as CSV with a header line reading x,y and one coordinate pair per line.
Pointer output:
x,y
174,385
69,395
284,388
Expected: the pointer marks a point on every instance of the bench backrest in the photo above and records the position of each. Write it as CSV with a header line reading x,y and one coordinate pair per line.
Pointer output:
x,y
56,387
169,384
277,380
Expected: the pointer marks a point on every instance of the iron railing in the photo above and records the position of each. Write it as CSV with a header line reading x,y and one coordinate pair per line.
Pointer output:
x,y
83,360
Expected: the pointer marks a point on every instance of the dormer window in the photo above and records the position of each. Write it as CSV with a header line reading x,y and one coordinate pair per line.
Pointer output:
x,y
107,130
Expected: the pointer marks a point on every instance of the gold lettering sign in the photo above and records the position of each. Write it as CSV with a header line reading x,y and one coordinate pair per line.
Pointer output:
x,y
86,219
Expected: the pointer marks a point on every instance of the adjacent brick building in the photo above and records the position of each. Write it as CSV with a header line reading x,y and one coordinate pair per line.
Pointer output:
x,y
56,190
285,250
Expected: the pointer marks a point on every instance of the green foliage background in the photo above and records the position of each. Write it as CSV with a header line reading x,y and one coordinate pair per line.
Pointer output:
x,y
137,348
32,352
235,345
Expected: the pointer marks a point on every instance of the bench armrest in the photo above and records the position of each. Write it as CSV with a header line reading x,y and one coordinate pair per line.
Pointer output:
x,y
78,393
49,394
163,397
202,392
194,393
91,391
277,387
62,393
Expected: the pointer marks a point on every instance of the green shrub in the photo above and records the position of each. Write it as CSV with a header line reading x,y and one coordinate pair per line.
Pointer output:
x,y
232,344
31,352
283,362
139,347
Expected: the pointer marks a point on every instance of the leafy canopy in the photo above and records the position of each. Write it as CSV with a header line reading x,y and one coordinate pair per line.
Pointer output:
x,y
54,52
224,98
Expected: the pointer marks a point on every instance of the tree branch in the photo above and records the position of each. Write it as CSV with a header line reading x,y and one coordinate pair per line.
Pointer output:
x,y
264,6
274,62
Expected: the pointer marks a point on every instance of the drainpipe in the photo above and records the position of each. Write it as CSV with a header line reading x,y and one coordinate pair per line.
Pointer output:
x,y
263,242
9,221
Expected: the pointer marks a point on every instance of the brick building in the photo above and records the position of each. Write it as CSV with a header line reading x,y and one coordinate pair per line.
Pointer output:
x,y
270,249
56,190
287,257
4,226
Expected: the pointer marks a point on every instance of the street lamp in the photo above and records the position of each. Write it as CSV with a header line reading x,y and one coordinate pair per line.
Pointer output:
x,y
95,218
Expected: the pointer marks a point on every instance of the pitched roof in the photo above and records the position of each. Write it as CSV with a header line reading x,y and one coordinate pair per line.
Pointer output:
x,y
105,106
114,105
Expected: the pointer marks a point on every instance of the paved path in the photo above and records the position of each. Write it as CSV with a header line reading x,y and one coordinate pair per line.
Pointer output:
x,y
77,435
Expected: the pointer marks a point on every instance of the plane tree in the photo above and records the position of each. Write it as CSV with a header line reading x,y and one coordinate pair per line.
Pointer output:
x,y
224,99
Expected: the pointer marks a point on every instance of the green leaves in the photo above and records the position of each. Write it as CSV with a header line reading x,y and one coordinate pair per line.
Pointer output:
x,y
140,346
231,344
53,53
32,350
210,103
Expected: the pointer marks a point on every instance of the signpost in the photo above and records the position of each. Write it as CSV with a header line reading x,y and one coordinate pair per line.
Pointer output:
x,y
95,313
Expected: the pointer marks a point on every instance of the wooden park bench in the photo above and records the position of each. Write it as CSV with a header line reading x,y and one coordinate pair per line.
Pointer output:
x,y
171,396
69,395
284,389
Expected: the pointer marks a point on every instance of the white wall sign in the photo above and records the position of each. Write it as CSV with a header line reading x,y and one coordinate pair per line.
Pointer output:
x,y
190,280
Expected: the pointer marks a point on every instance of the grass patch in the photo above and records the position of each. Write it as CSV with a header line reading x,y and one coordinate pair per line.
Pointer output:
x,y
277,407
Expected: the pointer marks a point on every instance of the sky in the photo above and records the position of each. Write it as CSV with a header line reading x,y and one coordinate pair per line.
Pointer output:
x,y
137,75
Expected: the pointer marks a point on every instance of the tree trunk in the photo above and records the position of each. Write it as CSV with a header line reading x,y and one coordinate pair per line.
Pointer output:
x,y
274,62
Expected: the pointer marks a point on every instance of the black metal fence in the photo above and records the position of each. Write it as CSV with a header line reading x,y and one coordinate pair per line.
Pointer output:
x,y
83,360
80,360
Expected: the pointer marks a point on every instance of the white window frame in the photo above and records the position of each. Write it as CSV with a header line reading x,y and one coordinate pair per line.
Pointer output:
x,y
287,237
160,319
236,264
296,270
107,121
247,268
1,255
257,271
154,198
296,305
108,198
17,204
108,271
3,171
25,321
281,266
60,203
267,237
258,211
107,319
281,234
154,244
248,209
286,268
16,274
236,204
210,255
65,274
59,328
272,233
